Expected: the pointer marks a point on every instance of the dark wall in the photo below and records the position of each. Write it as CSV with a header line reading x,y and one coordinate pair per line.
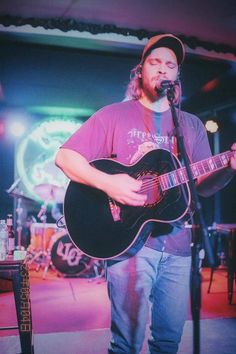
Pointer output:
x,y
54,76
6,175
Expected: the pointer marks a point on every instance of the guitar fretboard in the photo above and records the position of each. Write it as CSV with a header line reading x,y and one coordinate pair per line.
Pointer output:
x,y
200,168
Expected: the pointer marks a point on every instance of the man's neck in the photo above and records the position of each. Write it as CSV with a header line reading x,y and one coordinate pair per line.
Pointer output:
x,y
160,105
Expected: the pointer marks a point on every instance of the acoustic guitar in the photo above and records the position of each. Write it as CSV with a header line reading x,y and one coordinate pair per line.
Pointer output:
x,y
102,228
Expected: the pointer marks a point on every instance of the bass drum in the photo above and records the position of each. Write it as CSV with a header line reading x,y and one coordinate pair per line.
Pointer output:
x,y
67,258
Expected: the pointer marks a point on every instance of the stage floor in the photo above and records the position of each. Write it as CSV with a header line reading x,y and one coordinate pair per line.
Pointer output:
x,y
72,315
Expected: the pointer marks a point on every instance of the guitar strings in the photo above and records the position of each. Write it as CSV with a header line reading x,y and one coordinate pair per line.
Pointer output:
x,y
156,180
148,184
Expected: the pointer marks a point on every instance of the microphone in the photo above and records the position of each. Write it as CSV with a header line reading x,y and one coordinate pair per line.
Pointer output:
x,y
166,85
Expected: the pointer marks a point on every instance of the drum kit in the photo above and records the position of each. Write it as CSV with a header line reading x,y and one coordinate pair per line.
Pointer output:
x,y
50,244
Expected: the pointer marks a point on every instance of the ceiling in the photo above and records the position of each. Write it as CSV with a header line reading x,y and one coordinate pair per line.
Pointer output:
x,y
212,20
112,34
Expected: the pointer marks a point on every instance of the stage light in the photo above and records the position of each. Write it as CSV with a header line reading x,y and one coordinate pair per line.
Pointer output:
x,y
211,85
211,126
17,128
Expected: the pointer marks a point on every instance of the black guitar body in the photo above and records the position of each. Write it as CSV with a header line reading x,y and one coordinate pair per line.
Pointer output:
x,y
100,232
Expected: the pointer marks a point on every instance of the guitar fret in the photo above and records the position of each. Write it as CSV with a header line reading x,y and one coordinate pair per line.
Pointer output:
x,y
181,176
212,164
218,161
166,178
169,181
160,181
172,179
162,184
195,171
206,166
200,168
164,181
178,178
224,159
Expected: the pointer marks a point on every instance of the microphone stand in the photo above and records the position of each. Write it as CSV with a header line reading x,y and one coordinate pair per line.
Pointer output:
x,y
200,240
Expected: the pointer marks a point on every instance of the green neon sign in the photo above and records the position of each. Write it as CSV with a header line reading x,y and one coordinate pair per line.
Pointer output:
x,y
36,154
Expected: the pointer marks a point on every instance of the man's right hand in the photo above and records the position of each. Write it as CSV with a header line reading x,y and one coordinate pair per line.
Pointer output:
x,y
125,189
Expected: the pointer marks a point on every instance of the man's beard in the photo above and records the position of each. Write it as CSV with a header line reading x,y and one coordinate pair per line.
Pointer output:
x,y
160,92
155,93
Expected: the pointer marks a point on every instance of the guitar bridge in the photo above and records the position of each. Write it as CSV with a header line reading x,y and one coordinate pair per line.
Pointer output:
x,y
115,210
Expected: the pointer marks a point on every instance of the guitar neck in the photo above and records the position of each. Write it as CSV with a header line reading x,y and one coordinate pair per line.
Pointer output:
x,y
198,169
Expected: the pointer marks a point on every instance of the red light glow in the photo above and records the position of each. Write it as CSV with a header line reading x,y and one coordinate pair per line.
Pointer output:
x,y
210,85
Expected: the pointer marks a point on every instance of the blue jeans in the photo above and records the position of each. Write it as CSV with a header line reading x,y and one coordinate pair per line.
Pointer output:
x,y
150,277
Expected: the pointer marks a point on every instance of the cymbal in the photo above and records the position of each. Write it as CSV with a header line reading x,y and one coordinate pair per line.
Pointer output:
x,y
20,195
48,192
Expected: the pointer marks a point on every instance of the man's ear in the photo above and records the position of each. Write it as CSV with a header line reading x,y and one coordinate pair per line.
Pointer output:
x,y
139,71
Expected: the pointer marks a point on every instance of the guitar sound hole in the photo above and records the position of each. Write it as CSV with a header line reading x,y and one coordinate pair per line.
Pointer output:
x,y
151,188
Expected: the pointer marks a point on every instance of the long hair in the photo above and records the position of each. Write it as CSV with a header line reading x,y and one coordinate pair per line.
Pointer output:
x,y
134,88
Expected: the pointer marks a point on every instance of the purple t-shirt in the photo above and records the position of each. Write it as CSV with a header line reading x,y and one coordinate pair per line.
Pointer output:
x,y
126,131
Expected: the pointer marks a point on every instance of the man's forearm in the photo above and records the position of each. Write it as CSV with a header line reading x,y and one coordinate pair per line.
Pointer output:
x,y
215,182
121,187
78,169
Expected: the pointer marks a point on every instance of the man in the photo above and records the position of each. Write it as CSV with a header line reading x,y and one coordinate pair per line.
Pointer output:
x,y
159,272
